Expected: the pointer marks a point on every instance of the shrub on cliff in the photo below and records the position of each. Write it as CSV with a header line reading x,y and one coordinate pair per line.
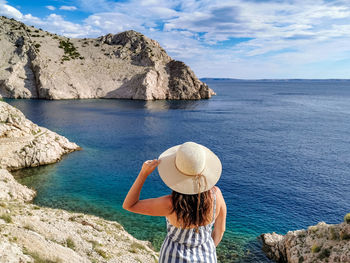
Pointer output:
x,y
347,218
315,248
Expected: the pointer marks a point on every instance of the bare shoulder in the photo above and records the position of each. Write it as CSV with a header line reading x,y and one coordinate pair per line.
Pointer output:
x,y
217,192
220,202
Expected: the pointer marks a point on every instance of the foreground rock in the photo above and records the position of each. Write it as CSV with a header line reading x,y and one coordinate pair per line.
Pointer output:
x,y
29,233
38,64
320,243
11,190
25,144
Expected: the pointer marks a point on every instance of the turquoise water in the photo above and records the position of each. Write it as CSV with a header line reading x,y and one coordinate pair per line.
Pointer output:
x,y
284,147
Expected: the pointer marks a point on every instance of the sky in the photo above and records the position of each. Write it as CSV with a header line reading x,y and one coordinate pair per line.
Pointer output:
x,y
246,39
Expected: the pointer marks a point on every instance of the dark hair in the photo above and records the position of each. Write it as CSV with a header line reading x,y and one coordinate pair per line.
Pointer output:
x,y
192,209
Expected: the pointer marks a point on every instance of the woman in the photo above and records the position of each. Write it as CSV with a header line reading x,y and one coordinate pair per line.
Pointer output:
x,y
195,206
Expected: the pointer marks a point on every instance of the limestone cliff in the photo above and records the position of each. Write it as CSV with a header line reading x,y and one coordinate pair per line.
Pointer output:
x,y
37,64
25,144
29,233
320,243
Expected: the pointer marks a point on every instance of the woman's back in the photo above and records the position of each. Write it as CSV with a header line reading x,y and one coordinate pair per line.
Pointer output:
x,y
189,244
191,171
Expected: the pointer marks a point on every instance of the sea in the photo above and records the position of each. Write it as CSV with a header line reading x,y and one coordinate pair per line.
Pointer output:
x,y
284,147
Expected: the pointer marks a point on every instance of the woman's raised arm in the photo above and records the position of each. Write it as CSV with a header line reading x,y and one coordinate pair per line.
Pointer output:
x,y
160,206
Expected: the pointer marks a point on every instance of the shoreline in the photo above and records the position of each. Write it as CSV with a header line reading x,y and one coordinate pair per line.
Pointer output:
x,y
30,232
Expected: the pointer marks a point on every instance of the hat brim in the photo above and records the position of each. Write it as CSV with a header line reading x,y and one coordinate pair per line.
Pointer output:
x,y
187,184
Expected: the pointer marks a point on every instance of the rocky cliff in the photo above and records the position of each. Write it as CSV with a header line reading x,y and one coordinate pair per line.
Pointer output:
x,y
37,64
319,243
29,233
25,144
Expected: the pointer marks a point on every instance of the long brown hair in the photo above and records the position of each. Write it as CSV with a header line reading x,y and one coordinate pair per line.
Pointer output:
x,y
192,209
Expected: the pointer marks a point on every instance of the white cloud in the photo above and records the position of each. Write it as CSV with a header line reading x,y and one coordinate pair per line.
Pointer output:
x,y
282,37
29,19
50,7
68,8
10,11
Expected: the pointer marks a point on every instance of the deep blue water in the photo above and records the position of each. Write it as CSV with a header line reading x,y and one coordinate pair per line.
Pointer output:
x,y
284,146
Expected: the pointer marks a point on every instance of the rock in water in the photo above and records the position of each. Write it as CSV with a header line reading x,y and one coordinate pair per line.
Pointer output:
x,y
38,64
25,144
320,243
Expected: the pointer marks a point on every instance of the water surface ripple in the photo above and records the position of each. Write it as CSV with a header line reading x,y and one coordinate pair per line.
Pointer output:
x,y
284,146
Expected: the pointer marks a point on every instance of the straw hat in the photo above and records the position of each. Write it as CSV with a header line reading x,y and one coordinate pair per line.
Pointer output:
x,y
189,168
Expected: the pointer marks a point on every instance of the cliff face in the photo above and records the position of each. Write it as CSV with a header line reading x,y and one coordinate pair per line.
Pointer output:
x,y
29,233
37,64
25,144
320,243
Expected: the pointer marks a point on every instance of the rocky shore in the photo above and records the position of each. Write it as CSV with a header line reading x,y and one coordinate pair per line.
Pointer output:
x,y
25,144
38,64
29,233
320,243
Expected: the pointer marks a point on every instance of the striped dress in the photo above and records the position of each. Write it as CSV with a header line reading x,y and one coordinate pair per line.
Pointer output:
x,y
186,245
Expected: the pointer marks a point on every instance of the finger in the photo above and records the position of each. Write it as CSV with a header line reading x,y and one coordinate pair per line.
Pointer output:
x,y
155,163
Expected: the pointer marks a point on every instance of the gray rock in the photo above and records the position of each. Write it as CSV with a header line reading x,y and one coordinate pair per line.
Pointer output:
x,y
128,65
320,243
25,144
11,190
30,233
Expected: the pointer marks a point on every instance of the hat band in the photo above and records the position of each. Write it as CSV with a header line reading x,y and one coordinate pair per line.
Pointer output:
x,y
186,173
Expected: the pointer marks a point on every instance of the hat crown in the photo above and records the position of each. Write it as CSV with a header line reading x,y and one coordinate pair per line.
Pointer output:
x,y
190,158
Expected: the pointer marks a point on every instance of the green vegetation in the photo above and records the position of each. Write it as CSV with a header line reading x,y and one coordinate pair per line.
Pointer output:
x,y
301,259
347,218
70,243
70,51
315,248
313,229
136,246
97,247
37,258
37,45
13,239
101,252
6,217
325,253
65,58
344,235
333,233
28,227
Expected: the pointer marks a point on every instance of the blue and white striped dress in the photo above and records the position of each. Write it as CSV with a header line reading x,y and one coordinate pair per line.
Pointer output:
x,y
186,245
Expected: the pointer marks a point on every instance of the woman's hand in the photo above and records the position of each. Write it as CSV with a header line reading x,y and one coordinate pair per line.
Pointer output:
x,y
149,166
